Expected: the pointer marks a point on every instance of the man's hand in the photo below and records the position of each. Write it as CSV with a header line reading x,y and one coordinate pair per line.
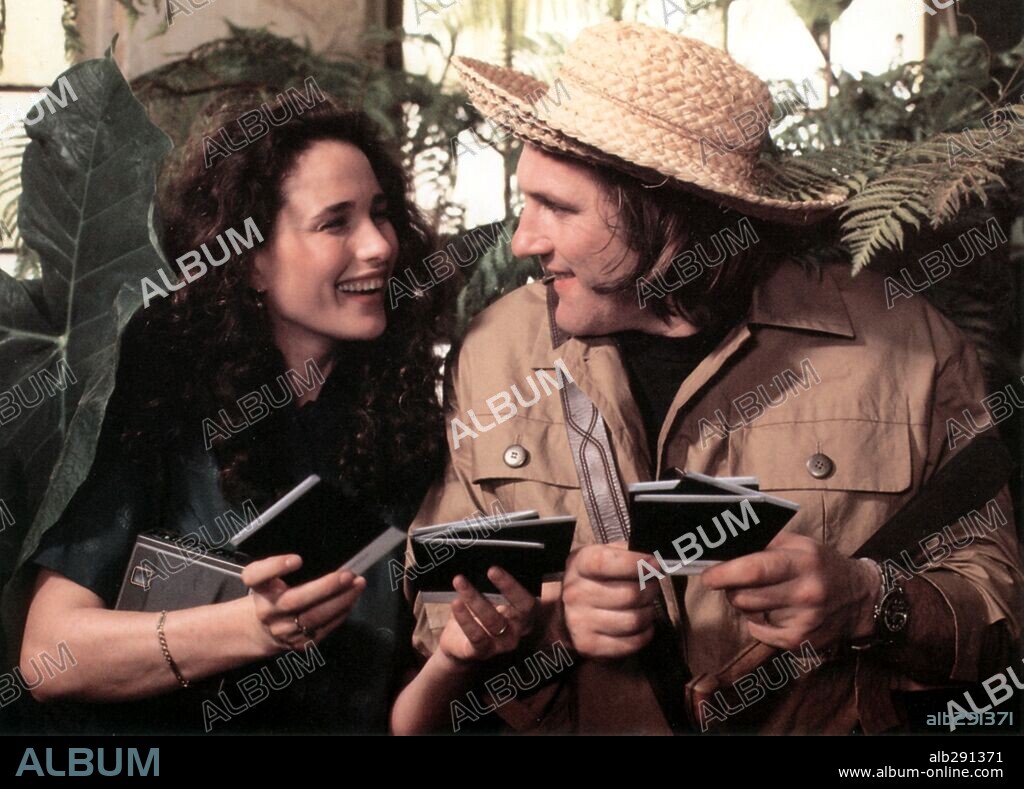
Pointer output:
x,y
606,613
798,590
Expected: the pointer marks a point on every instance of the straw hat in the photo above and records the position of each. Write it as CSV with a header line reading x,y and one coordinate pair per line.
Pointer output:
x,y
654,104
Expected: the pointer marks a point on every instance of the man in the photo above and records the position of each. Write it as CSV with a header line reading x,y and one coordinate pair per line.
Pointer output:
x,y
701,348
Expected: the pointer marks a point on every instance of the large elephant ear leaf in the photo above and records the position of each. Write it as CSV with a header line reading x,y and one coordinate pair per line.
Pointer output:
x,y
88,176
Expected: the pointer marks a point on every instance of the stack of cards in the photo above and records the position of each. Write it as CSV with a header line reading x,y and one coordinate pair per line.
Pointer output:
x,y
523,544
696,520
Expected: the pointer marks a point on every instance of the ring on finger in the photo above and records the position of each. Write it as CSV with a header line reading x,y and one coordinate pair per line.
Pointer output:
x,y
310,634
503,630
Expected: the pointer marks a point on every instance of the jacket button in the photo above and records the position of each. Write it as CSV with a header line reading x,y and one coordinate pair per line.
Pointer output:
x,y
516,456
820,466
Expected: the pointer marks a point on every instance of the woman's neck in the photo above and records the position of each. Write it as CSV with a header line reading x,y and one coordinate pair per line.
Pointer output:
x,y
301,365
310,357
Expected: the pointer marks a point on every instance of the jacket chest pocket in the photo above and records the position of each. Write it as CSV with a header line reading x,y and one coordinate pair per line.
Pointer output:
x,y
526,464
847,474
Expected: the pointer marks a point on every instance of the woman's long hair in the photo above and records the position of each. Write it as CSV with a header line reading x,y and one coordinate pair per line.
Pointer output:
x,y
210,343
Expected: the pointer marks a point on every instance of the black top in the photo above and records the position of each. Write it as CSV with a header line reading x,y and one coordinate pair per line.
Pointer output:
x,y
175,489
657,367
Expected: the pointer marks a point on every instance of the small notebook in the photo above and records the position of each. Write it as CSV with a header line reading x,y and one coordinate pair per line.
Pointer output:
x,y
527,546
696,520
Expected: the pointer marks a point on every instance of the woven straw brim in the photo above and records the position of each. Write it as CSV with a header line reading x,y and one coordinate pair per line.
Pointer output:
x,y
572,120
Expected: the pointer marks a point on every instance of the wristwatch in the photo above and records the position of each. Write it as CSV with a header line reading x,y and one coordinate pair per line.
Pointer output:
x,y
891,614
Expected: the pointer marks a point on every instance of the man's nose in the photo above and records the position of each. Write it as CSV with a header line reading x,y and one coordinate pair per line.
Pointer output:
x,y
526,241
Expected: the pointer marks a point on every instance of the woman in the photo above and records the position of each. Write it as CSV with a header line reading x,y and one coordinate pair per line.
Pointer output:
x,y
281,360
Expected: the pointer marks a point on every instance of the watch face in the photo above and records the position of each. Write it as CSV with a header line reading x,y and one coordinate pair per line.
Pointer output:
x,y
895,611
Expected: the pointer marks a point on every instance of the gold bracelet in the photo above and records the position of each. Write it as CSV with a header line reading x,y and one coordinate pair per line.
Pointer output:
x,y
167,653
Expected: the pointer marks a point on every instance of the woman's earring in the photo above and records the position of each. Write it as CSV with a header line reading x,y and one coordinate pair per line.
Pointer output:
x,y
259,299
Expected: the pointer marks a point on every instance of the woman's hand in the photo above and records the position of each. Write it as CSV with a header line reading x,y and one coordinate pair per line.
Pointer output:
x,y
287,617
477,629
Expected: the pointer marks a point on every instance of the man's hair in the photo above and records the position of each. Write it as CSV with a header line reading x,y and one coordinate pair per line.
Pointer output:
x,y
704,258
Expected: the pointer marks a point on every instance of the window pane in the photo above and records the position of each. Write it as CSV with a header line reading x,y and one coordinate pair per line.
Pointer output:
x,y
33,43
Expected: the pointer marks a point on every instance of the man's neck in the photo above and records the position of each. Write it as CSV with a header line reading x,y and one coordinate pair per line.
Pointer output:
x,y
675,326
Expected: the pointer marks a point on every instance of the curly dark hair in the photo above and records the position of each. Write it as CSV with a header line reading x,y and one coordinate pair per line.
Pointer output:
x,y
215,342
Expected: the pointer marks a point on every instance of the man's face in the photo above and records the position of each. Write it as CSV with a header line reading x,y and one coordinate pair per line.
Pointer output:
x,y
568,223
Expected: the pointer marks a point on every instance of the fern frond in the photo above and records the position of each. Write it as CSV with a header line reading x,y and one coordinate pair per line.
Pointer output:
x,y
873,219
840,170
972,177
930,180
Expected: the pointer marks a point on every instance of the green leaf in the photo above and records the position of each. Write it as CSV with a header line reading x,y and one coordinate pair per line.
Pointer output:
x,y
88,176
818,12
497,272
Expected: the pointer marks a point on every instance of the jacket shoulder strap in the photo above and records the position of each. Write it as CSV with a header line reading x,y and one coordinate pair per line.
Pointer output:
x,y
591,451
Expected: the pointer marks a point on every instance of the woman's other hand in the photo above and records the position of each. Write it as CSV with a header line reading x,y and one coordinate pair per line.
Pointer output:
x,y
286,617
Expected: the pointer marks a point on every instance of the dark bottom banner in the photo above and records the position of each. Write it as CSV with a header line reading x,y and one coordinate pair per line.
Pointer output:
x,y
802,761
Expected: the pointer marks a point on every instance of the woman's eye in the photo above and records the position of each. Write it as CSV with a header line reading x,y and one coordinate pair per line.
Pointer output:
x,y
342,223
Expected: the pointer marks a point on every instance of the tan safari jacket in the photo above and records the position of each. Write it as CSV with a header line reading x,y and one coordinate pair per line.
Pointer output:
x,y
821,367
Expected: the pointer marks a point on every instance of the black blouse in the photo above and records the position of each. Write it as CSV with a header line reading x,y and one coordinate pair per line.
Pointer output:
x,y
175,489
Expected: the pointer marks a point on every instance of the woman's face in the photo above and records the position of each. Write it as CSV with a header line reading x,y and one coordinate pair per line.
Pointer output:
x,y
332,251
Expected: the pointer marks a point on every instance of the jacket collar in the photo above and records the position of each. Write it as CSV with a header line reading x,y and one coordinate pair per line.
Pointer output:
x,y
790,298
796,299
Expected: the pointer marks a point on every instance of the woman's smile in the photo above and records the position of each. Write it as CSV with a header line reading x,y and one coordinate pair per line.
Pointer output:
x,y
365,285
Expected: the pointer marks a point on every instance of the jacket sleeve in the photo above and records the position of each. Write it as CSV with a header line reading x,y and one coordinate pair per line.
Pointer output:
x,y
453,498
966,608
